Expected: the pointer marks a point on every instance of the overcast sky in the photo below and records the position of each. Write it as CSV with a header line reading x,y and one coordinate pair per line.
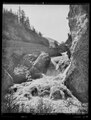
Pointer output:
x,y
50,20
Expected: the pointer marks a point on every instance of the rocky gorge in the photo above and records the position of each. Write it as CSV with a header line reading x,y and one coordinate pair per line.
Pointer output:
x,y
44,84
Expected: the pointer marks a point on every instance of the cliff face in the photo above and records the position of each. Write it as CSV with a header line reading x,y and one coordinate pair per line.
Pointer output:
x,y
77,75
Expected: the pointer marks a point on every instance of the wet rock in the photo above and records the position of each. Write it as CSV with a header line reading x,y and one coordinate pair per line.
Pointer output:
x,y
51,71
35,97
45,93
56,94
27,95
15,89
66,93
77,75
63,66
34,91
63,62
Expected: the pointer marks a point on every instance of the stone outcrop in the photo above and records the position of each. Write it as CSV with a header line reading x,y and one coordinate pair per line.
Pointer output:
x,y
77,75
40,65
42,62
64,48
68,42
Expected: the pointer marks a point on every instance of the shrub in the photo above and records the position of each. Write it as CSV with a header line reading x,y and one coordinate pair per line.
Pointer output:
x,y
43,108
7,106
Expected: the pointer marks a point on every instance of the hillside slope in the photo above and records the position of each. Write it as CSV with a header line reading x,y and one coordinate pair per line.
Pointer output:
x,y
52,42
14,30
17,40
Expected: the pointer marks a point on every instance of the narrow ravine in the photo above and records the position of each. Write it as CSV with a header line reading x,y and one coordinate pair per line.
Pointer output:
x,y
47,82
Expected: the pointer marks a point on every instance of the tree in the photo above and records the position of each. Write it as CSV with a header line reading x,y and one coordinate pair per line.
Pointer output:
x,y
23,17
10,10
19,14
40,33
5,10
56,44
33,29
27,24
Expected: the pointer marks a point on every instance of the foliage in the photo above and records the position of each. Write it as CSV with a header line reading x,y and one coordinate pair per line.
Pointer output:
x,y
7,106
27,24
22,19
40,33
33,29
56,44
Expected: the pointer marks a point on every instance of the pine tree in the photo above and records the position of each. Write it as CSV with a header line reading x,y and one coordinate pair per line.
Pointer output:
x,y
33,29
56,44
40,33
19,14
27,24
22,19
10,10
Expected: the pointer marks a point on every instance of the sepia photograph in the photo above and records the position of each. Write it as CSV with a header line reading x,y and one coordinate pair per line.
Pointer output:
x,y
45,59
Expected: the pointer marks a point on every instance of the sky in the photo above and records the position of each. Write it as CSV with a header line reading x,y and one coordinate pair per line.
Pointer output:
x,y
50,20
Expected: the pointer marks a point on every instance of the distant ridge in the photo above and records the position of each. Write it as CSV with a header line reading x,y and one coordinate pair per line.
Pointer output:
x,y
52,42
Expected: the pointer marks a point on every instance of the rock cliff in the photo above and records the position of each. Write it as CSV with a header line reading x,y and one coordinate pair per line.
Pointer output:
x,y
77,75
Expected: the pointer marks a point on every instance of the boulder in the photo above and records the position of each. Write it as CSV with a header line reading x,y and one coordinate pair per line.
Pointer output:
x,y
20,74
42,62
77,75
40,66
28,60
7,80
35,73
34,91
57,94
